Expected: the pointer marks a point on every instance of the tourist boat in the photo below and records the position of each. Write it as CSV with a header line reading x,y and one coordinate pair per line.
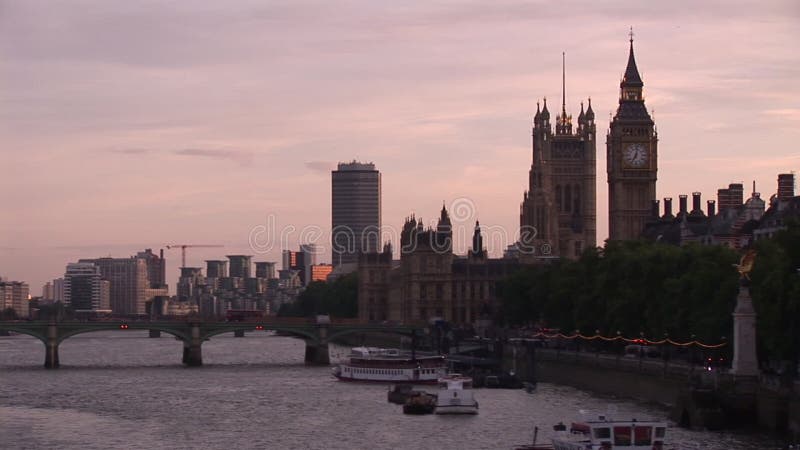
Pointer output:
x,y
455,395
390,366
606,434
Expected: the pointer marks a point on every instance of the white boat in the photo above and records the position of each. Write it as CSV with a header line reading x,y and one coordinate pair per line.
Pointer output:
x,y
455,395
606,434
390,366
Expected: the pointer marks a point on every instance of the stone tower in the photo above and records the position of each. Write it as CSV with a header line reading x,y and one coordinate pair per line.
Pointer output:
x,y
558,215
631,159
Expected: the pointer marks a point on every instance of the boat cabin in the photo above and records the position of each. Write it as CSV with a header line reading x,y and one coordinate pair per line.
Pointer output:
x,y
631,435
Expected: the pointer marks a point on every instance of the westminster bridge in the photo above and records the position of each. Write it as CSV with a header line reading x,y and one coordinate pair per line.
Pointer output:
x,y
194,332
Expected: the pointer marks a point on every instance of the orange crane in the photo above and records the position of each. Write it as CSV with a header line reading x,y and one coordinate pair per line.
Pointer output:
x,y
183,248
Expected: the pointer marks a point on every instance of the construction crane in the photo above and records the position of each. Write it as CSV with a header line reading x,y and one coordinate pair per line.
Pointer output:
x,y
183,248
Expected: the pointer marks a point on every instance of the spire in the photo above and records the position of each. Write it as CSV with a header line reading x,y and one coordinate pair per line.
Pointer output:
x,y
589,112
538,113
631,77
477,240
444,217
563,84
545,112
563,121
581,116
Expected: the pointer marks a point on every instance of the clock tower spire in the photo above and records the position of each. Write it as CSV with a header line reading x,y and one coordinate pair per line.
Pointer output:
x,y
631,158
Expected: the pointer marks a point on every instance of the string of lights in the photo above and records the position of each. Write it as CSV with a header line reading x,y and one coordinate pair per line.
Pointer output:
x,y
640,340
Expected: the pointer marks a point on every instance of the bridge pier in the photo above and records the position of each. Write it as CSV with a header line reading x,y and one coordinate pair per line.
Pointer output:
x,y
238,333
317,352
155,333
192,350
51,347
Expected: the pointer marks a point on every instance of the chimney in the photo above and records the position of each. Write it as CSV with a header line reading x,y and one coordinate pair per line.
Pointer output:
x,y
668,208
654,209
785,186
683,200
724,199
712,206
697,207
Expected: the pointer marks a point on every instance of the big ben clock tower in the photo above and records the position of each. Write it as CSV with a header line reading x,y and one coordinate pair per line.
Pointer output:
x,y
631,159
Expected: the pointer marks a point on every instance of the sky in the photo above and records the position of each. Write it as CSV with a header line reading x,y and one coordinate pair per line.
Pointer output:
x,y
130,125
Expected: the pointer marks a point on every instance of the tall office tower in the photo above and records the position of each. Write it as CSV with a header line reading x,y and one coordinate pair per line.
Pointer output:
x,y
129,282
156,267
265,269
239,266
82,286
557,215
355,212
631,159
216,268
14,294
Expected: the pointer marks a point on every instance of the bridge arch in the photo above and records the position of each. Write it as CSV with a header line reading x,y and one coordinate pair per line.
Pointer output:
x,y
27,332
397,331
307,336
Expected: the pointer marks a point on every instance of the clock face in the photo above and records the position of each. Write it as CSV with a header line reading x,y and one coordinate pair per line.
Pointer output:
x,y
636,156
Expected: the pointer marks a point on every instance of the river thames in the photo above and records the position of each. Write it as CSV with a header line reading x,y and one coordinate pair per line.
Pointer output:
x,y
125,390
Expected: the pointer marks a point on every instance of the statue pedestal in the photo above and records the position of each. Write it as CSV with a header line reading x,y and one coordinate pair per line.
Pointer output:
x,y
745,361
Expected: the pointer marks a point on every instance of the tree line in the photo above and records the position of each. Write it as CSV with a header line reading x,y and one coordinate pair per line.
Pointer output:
x,y
660,290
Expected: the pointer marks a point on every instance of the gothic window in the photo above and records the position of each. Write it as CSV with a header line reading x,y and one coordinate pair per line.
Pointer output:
x,y
423,292
577,208
567,198
439,291
558,197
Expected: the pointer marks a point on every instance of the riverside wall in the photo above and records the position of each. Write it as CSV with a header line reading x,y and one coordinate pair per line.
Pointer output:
x,y
695,397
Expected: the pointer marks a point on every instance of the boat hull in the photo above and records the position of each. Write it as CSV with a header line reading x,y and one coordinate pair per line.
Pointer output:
x,y
457,409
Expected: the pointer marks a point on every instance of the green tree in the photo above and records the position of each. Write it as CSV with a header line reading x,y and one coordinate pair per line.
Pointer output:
x,y
775,287
338,298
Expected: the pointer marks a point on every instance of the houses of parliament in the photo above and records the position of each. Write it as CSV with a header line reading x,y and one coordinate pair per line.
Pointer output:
x,y
558,215
558,218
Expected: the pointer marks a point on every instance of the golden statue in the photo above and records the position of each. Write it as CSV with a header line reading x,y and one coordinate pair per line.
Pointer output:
x,y
745,265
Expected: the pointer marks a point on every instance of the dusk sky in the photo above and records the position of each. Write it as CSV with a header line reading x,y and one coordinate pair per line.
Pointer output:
x,y
134,124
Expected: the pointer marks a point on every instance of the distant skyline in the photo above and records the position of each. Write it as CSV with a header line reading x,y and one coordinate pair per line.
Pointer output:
x,y
127,125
